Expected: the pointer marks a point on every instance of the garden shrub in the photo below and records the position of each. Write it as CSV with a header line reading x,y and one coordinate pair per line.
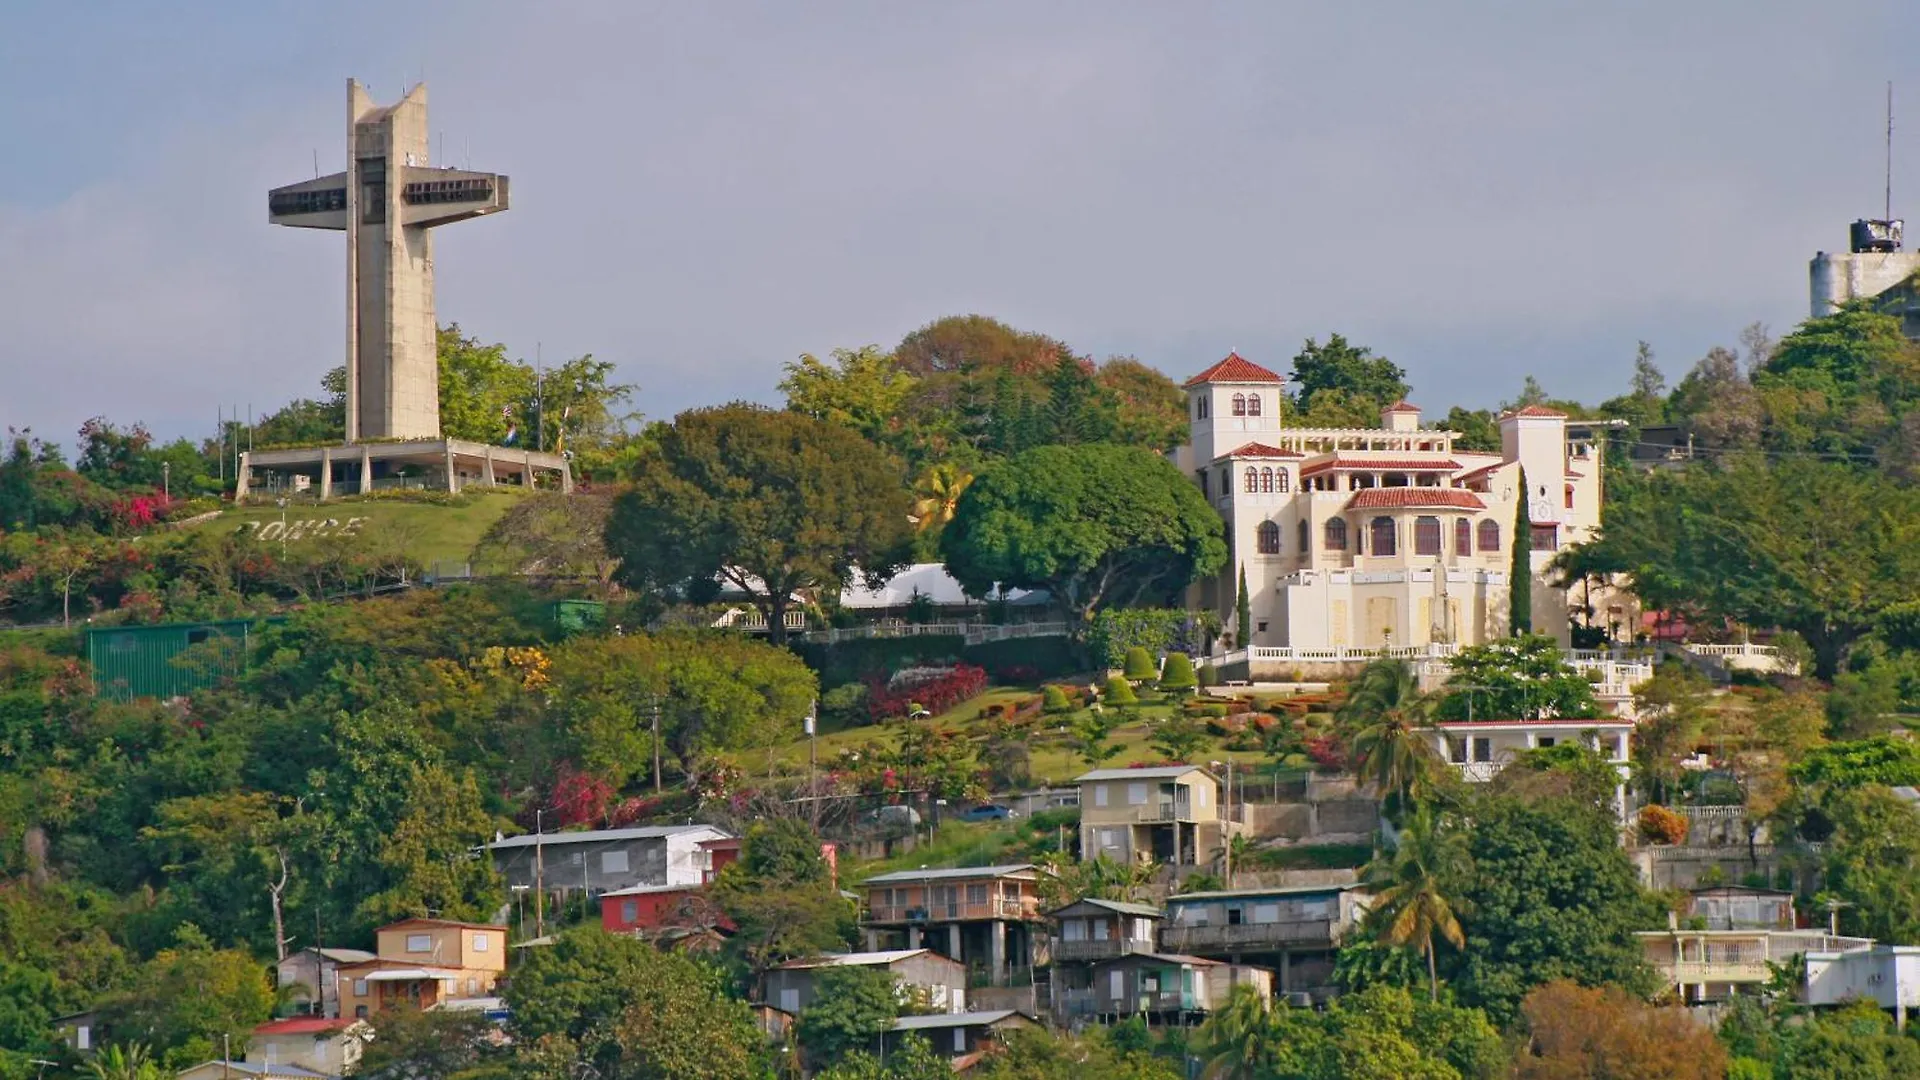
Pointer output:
x,y
1178,678
1119,692
1659,825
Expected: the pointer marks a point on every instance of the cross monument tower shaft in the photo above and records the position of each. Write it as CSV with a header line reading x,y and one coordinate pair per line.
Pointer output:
x,y
386,201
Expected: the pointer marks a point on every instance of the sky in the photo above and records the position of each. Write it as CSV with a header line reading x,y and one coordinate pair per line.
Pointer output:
x,y
702,192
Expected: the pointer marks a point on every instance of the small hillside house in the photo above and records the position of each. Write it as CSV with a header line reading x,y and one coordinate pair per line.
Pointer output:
x,y
1164,988
1479,749
982,916
961,1037
424,963
1092,929
602,860
1169,814
310,978
943,982
1295,931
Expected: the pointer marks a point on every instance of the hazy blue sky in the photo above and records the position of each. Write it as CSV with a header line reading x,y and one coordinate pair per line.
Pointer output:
x,y
704,190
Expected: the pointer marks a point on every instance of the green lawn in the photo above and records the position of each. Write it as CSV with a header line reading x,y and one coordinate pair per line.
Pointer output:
x,y
431,533
1051,760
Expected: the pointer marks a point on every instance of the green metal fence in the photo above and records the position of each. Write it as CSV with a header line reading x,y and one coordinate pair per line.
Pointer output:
x,y
165,661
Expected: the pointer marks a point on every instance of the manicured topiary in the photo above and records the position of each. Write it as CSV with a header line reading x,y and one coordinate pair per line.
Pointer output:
x,y
1209,675
1054,700
1119,692
1178,678
1138,666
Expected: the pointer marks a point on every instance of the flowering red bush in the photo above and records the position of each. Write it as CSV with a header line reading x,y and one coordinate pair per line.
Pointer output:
x,y
1326,752
579,798
936,695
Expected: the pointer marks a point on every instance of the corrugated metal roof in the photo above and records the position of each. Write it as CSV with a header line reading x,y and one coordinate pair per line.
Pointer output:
x,y
855,959
950,1020
1123,907
591,836
1161,772
946,873
1284,890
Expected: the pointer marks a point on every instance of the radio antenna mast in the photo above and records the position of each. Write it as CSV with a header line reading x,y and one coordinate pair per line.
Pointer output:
x,y
1887,212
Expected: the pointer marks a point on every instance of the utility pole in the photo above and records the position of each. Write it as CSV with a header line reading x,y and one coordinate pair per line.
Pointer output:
x,y
813,759
539,876
656,744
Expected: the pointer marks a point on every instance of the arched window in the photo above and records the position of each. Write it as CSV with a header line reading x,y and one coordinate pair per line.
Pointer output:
x,y
1253,404
1268,538
1253,479
1381,537
1200,408
1281,483
1462,536
1489,535
1426,535
1266,481
1306,539
1336,534
1239,404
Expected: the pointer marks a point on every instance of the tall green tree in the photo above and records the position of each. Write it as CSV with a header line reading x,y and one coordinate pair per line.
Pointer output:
x,y
1411,886
1242,612
1518,678
1550,895
1816,547
1388,718
1096,525
863,389
773,504
782,898
633,1011
852,1007
1341,366
1520,566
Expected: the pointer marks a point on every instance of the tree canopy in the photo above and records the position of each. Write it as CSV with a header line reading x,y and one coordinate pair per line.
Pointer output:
x,y
1098,526
772,504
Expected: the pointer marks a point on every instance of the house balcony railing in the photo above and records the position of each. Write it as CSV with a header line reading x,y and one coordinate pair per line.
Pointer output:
x,y
1322,933
997,908
1091,1003
1087,951
1719,971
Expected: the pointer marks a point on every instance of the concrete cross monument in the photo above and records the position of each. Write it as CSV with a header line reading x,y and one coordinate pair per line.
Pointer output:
x,y
386,201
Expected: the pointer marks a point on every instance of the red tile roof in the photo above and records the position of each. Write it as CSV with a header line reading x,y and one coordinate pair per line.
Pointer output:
x,y
1403,497
1360,461
1536,410
1402,406
1234,369
1259,449
304,1025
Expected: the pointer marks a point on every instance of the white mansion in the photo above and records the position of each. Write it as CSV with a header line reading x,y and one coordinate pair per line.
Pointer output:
x,y
1373,537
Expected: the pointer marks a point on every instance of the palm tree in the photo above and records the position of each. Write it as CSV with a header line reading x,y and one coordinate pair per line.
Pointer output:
x,y
1239,1040
935,495
129,1062
1390,715
1411,886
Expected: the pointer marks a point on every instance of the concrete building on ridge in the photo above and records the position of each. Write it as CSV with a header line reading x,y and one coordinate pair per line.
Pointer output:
x,y
1373,538
387,202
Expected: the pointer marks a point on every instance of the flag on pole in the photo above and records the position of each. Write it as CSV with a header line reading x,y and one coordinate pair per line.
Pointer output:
x,y
513,430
